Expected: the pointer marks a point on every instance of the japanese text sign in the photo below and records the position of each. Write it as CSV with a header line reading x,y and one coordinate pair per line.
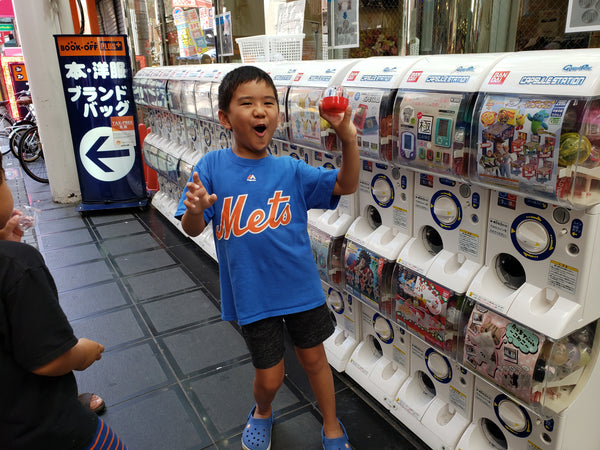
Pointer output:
x,y
97,83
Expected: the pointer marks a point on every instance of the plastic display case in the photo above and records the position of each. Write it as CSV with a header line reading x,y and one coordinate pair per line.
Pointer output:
x,y
367,276
433,109
371,86
544,373
428,309
535,127
306,128
188,80
327,251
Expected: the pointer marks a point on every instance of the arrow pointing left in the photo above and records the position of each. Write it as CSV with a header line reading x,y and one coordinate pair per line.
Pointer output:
x,y
95,153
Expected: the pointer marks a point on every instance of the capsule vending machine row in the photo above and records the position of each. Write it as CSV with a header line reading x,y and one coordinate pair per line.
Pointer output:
x,y
157,144
431,128
382,226
528,324
192,121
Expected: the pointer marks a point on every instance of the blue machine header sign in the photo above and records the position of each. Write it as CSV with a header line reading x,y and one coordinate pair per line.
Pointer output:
x,y
97,83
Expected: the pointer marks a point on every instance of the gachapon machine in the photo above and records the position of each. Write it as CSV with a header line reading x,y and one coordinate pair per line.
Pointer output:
x,y
213,135
433,109
346,313
535,127
177,101
153,95
188,109
531,380
380,362
371,87
436,401
382,228
140,96
203,92
306,128
538,109
436,266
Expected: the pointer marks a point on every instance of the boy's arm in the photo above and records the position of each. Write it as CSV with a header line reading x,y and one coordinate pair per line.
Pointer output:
x,y
347,177
79,357
196,201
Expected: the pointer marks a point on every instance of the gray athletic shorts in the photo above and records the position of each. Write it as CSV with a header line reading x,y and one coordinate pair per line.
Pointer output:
x,y
265,338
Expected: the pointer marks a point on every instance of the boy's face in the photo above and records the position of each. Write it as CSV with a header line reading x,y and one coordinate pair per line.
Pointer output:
x,y
253,116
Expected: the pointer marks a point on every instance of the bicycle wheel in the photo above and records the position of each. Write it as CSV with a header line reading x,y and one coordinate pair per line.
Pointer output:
x,y
17,130
6,123
31,155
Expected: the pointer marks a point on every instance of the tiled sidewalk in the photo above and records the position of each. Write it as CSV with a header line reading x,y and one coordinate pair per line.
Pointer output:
x,y
174,376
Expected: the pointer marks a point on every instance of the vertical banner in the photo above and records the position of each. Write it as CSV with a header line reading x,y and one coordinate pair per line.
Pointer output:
x,y
97,84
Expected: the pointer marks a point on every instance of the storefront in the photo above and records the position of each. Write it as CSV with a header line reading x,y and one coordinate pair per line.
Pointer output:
x,y
172,32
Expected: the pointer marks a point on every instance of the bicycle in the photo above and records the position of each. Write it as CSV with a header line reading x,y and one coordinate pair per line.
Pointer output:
x,y
6,124
20,126
31,155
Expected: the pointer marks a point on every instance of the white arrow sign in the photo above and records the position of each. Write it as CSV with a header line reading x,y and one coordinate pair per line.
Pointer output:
x,y
105,158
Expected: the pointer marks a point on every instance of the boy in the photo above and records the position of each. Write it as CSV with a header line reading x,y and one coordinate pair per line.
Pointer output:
x,y
258,205
38,352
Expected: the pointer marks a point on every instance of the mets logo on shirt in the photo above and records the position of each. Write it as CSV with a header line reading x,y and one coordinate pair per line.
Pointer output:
x,y
276,213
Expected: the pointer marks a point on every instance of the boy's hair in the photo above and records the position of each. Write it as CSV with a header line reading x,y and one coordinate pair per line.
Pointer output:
x,y
238,76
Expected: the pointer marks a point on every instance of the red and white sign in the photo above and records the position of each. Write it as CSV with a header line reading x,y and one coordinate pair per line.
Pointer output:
x,y
499,77
414,76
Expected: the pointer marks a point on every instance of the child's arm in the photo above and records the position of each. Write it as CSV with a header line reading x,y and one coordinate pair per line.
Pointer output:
x,y
197,200
79,357
347,178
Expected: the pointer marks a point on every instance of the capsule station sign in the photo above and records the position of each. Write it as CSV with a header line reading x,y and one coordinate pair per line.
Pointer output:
x,y
97,84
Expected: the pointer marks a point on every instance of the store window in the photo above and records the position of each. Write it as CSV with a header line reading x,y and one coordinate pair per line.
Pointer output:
x,y
175,32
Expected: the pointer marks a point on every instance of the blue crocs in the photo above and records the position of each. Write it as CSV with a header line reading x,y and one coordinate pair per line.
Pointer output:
x,y
340,443
257,433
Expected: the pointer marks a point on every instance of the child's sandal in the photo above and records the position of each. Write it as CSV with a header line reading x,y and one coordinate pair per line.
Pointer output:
x,y
340,443
257,433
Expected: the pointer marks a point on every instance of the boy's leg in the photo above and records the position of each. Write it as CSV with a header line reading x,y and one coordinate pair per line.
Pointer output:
x,y
308,330
266,384
315,364
264,339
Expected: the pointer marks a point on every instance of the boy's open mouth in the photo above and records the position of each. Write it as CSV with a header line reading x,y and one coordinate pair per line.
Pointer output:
x,y
260,128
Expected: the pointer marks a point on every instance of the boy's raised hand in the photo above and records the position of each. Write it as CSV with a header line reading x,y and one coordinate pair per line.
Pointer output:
x,y
341,123
197,198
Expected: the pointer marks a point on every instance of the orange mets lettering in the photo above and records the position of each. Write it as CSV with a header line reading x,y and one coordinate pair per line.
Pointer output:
x,y
258,220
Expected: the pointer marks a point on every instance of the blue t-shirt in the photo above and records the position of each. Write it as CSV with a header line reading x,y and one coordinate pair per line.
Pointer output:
x,y
266,265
